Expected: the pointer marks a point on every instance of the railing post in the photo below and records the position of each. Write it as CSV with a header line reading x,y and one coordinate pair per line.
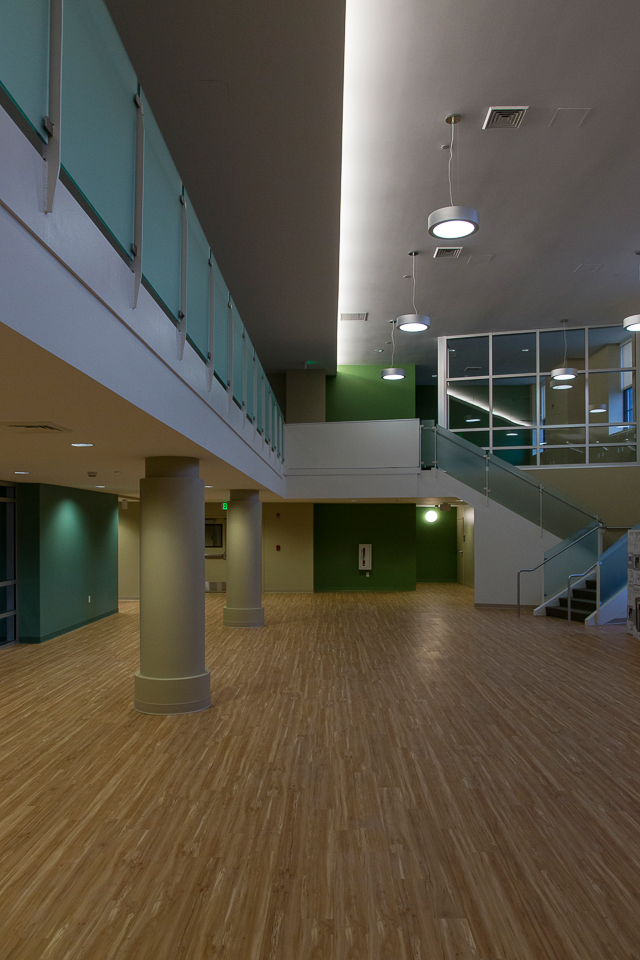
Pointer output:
x,y
486,479
435,446
52,122
519,572
597,617
569,600
541,490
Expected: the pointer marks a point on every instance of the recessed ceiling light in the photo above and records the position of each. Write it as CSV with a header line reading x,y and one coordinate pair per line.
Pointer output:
x,y
380,351
81,444
599,409
473,420
525,349
208,486
562,386
99,486
511,434
23,473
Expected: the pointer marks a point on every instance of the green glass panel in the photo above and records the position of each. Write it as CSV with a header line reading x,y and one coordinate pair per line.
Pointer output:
x,y
559,405
479,438
260,396
513,490
514,402
197,283
468,404
220,326
267,412
514,437
99,115
24,57
162,236
251,373
514,353
461,459
238,357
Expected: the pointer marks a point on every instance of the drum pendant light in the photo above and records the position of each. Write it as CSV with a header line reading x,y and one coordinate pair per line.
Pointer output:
x,y
453,222
413,322
564,372
393,373
632,323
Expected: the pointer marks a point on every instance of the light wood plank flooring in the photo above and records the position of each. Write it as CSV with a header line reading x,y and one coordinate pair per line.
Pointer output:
x,y
389,777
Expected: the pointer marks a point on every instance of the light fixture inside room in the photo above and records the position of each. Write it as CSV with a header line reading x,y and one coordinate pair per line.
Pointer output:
x,y
81,444
393,373
453,222
564,372
431,516
413,322
632,323
598,409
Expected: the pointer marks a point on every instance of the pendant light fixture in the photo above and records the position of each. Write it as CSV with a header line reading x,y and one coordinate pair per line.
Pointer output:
x,y
564,372
632,323
393,373
453,222
413,322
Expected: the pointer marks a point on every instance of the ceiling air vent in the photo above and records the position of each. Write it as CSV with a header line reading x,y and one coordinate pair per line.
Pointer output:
x,y
40,427
354,316
504,118
447,253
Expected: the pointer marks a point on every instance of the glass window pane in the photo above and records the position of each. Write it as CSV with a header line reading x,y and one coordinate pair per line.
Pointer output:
x,y
514,353
612,434
197,283
99,115
608,398
238,356
468,357
161,245
7,598
267,411
563,435
7,541
24,55
517,458
520,437
260,397
613,453
558,405
468,404
220,326
562,455
7,491
478,437
552,349
251,372
514,401
7,630
606,345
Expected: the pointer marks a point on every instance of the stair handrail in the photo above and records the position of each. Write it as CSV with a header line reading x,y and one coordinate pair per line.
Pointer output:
x,y
500,464
583,576
546,560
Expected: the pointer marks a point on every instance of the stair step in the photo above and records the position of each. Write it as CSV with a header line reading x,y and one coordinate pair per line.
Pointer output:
x,y
580,594
578,604
591,584
561,613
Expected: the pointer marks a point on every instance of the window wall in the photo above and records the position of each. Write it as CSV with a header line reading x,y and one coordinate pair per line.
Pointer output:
x,y
7,564
500,395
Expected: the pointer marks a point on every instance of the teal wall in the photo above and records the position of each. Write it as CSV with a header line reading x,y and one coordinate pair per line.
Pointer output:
x,y
67,551
358,392
338,529
437,546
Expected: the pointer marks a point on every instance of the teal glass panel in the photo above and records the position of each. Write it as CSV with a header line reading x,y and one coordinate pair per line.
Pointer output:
x,y
480,438
24,57
514,401
461,459
238,357
197,283
99,115
220,326
518,457
278,432
575,557
427,444
513,489
260,397
161,242
251,375
267,411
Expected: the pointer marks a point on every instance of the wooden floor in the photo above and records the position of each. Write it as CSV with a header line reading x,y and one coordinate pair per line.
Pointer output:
x,y
389,777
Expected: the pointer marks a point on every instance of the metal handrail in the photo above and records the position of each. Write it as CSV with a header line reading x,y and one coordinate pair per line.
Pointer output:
x,y
546,560
582,576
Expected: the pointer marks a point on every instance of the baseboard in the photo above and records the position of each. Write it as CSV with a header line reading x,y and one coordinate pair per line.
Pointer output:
x,y
69,629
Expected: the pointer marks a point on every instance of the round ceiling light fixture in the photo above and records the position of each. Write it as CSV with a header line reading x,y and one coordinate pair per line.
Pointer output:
x,y
393,373
632,323
431,516
413,322
564,372
453,222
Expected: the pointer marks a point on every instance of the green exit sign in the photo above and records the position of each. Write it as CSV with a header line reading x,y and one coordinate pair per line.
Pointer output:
x,y
224,506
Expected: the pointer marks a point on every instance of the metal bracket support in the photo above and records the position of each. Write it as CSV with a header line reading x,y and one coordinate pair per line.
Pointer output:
x,y
52,122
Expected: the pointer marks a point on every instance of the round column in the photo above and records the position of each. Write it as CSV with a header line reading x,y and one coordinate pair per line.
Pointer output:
x,y
172,677
244,560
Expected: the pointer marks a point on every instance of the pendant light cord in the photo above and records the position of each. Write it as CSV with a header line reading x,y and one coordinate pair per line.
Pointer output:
x,y
564,325
413,257
453,126
393,340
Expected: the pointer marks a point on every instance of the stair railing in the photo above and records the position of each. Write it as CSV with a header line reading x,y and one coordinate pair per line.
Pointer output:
x,y
547,559
582,576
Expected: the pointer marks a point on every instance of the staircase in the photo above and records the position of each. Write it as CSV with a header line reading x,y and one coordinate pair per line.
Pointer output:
x,y
583,603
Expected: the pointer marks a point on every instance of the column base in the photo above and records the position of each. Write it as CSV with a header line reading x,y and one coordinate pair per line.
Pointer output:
x,y
162,696
243,616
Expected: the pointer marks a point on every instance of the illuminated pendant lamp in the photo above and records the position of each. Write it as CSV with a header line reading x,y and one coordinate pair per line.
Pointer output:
x,y
413,322
632,323
564,372
393,373
453,222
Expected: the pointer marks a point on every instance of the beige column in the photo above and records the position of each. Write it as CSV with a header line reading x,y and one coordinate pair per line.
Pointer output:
x,y
244,560
172,677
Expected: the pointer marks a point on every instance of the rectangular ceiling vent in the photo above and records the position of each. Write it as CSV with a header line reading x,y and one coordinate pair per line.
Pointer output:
x,y
362,317
447,253
504,118
44,426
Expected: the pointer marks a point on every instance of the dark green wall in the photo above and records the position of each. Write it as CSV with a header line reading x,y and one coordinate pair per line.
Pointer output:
x,y
338,529
437,547
427,403
67,551
358,392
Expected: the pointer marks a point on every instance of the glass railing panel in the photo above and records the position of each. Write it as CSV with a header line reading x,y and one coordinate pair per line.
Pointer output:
x,y
238,356
250,399
267,412
161,246
99,115
427,444
260,396
24,57
462,460
613,568
197,284
513,490
582,552
562,516
220,326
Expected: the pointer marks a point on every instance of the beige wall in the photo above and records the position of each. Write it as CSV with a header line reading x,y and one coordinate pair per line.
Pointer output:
x,y
129,551
306,396
290,526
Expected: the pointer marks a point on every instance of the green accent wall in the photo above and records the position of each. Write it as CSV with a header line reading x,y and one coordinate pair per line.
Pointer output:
x,y
437,546
67,551
358,392
427,403
338,529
